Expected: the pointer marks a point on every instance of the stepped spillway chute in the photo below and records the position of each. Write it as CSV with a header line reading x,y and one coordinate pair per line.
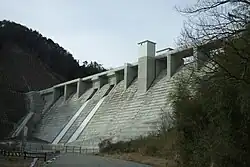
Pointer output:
x,y
62,133
86,121
54,121
90,115
93,98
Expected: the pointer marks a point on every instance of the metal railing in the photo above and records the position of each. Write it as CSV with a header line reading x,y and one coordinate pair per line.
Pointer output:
x,y
35,147
76,149
25,155
38,147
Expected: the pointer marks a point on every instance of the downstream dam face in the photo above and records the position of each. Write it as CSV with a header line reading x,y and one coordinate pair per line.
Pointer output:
x,y
122,103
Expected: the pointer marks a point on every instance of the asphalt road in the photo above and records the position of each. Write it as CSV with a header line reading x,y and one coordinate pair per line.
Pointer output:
x,y
73,160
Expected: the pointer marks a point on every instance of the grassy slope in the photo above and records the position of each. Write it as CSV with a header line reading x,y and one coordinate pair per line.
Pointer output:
x,y
155,150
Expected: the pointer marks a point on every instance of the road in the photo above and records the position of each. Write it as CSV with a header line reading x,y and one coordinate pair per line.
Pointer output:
x,y
74,160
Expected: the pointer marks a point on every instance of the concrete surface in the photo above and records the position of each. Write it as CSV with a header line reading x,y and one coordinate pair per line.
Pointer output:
x,y
72,160
133,108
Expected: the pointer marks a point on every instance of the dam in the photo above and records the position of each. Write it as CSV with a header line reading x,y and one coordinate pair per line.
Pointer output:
x,y
123,103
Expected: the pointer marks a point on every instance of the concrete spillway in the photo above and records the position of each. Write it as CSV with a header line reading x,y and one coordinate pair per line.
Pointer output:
x,y
69,124
122,103
86,121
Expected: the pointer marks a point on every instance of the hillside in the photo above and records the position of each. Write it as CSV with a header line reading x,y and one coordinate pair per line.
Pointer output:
x,y
29,62
21,71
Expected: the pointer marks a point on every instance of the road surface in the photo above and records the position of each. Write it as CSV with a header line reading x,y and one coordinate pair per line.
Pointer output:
x,y
74,160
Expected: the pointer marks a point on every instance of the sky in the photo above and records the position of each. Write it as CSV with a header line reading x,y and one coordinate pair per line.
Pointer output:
x,y
106,31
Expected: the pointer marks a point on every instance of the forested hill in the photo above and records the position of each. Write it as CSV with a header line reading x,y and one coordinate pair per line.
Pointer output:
x,y
28,62
52,54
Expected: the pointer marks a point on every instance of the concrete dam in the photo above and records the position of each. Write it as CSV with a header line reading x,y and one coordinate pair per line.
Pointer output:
x,y
122,103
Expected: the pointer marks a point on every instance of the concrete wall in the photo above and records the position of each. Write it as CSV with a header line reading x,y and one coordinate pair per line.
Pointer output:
x,y
112,79
37,103
57,92
48,99
200,56
69,89
115,77
82,87
160,65
99,81
174,61
130,73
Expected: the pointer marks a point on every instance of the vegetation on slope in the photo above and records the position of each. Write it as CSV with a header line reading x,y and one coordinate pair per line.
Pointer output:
x,y
212,123
159,145
28,62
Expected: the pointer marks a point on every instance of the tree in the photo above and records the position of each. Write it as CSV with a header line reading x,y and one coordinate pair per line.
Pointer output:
x,y
214,19
213,124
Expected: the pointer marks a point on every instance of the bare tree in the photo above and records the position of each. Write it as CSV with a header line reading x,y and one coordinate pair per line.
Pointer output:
x,y
213,19
213,136
225,21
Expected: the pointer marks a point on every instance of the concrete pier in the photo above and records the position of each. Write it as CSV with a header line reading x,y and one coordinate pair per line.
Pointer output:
x,y
146,65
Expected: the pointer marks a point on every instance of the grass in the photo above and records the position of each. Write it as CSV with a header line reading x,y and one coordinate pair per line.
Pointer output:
x,y
18,162
156,150
14,162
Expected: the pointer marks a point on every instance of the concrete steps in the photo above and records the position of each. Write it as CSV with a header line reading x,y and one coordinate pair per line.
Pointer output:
x,y
127,114
75,116
54,121
81,136
91,104
150,113
106,112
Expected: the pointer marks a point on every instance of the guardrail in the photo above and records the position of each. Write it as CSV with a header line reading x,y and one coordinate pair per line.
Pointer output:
x,y
24,154
35,147
38,147
76,149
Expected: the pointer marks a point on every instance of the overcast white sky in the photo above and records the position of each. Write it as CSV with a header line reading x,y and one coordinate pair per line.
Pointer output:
x,y
106,31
